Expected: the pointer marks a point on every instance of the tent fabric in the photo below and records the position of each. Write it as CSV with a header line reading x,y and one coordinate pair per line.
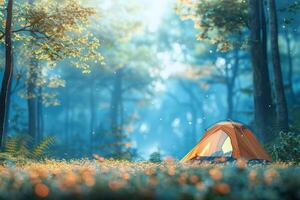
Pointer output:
x,y
228,139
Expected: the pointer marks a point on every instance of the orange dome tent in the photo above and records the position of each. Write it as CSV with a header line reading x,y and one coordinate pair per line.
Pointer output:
x,y
228,139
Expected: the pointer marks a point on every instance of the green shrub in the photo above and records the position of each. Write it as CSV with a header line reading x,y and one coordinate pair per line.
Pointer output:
x,y
286,148
155,157
295,115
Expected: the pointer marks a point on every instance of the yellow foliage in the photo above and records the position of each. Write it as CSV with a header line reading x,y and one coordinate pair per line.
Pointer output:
x,y
54,31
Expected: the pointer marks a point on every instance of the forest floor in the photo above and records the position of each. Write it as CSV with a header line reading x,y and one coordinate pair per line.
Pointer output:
x,y
108,179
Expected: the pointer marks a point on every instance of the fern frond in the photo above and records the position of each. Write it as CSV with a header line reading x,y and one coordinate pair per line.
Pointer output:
x,y
41,149
20,148
11,146
24,144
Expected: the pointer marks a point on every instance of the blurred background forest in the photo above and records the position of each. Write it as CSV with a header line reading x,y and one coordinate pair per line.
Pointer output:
x,y
128,78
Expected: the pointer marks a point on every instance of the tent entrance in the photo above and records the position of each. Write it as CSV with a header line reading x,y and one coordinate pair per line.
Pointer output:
x,y
217,144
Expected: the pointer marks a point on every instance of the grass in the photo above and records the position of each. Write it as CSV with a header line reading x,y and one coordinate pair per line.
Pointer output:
x,y
110,179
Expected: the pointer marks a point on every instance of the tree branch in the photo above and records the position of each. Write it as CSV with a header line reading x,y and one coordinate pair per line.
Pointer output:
x,y
22,29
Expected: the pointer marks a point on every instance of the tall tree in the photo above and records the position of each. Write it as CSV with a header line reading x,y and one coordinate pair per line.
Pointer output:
x,y
214,27
8,71
50,41
264,111
32,101
128,78
230,79
282,111
290,75
116,106
92,112
227,74
40,114
195,105
290,20
182,47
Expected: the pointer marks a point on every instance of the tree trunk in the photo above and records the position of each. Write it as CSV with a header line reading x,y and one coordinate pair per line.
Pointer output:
x,y
121,118
290,68
230,82
67,118
264,40
270,106
40,115
193,106
282,111
229,89
92,115
7,114
263,105
116,110
32,100
229,102
7,71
